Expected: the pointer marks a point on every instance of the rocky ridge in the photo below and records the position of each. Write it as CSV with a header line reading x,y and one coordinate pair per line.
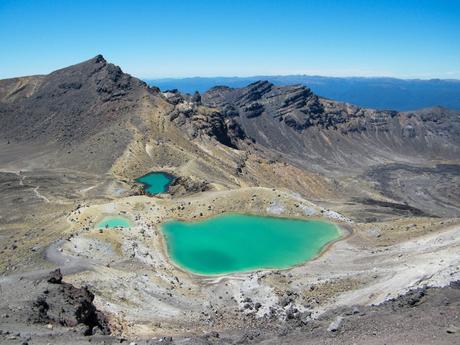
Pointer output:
x,y
310,130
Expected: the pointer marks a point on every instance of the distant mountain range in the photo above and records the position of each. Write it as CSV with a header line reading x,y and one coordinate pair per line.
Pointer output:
x,y
379,93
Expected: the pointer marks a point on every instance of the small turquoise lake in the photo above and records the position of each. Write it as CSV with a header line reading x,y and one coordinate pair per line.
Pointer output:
x,y
156,182
237,243
113,222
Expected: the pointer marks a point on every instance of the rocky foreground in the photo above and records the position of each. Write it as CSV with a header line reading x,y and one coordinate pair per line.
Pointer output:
x,y
49,311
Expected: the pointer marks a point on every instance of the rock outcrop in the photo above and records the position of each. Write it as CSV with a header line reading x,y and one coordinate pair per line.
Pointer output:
x,y
67,305
187,185
200,121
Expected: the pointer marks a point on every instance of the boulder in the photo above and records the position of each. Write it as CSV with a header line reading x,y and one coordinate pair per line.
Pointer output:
x,y
335,325
67,305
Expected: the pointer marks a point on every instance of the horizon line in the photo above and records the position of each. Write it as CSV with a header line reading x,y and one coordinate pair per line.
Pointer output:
x,y
256,76
298,75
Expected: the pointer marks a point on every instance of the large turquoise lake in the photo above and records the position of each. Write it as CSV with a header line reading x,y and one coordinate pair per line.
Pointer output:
x,y
237,243
156,182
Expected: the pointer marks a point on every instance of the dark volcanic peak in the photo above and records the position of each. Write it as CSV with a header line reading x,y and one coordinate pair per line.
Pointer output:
x,y
96,73
69,104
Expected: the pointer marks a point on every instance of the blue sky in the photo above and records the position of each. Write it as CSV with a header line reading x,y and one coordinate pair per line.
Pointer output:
x,y
409,39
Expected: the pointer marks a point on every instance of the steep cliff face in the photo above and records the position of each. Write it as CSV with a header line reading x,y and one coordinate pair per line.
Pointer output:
x,y
201,121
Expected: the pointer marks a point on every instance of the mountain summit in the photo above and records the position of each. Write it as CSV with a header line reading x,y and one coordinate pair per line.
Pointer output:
x,y
69,104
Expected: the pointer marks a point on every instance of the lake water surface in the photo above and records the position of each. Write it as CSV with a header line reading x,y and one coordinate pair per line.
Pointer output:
x,y
156,182
235,242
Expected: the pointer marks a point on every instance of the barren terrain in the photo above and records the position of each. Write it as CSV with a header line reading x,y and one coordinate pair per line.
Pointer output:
x,y
73,142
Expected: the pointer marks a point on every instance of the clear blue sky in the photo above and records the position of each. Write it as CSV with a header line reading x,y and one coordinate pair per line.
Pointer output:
x,y
416,39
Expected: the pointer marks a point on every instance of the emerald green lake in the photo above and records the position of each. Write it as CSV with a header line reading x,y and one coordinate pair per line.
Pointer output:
x,y
113,222
156,182
236,242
